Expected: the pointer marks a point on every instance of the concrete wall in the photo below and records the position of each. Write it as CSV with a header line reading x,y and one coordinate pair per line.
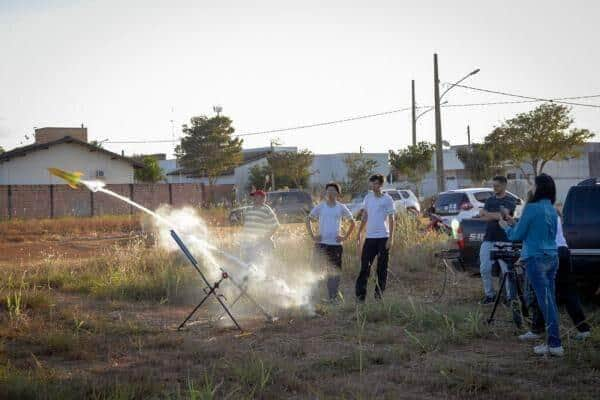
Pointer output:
x,y
31,169
51,201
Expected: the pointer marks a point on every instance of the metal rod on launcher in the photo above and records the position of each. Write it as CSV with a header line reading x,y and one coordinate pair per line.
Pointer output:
x,y
212,288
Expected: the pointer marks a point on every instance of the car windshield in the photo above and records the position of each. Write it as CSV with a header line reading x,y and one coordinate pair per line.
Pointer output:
x,y
482,196
394,195
449,203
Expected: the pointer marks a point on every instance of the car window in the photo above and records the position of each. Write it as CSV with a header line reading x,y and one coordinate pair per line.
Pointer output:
x,y
581,206
394,195
450,202
482,196
405,194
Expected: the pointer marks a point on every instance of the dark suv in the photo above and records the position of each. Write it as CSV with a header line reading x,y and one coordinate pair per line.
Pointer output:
x,y
289,205
581,225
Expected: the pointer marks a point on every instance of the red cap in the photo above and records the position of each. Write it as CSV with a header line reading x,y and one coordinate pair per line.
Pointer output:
x,y
258,193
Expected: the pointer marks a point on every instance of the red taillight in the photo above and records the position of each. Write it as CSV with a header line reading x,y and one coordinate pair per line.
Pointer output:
x,y
466,206
460,240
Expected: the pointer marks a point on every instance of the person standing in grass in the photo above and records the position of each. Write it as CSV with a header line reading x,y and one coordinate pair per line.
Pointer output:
x,y
378,219
259,226
537,228
566,288
330,214
491,213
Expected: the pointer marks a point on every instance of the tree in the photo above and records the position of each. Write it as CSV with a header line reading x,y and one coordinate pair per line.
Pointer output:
x,y
479,161
536,137
414,162
208,148
1,149
360,168
295,166
257,177
151,172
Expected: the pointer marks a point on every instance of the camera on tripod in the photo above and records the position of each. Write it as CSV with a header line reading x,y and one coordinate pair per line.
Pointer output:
x,y
507,252
510,253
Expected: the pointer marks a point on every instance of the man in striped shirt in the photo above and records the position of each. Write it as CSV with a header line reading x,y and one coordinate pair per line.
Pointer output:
x,y
260,223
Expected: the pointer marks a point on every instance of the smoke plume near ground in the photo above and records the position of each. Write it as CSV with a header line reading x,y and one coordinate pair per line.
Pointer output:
x,y
284,281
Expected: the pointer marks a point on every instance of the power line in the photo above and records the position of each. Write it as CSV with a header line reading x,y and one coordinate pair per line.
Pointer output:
x,y
365,116
559,100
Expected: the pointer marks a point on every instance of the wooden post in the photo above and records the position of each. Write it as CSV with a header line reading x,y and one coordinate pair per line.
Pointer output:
x,y
51,201
9,201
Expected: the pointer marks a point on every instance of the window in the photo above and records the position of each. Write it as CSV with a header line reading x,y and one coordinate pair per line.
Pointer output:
x,y
395,196
581,206
405,194
482,196
511,176
449,203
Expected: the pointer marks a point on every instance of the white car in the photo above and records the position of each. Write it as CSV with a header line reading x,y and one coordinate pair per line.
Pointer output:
x,y
405,199
466,203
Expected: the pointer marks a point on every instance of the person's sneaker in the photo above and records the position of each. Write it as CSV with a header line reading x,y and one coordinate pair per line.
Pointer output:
x,y
487,300
529,336
544,349
583,335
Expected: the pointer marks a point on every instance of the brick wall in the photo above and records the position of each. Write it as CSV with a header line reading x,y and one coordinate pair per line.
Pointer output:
x,y
45,201
108,205
30,201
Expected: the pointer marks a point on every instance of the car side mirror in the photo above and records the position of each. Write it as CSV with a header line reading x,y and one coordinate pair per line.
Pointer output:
x,y
519,202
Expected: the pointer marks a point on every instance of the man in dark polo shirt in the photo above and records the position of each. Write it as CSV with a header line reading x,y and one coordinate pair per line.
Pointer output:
x,y
492,213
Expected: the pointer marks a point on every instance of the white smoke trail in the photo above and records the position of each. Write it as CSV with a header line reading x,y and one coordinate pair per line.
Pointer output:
x,y
275,284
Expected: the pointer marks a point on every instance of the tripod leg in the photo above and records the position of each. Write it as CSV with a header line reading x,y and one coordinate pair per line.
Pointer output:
x,y
211,291
491,318
521,294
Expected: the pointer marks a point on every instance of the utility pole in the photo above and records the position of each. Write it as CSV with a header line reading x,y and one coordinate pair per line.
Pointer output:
x,y
439,150
468,135
414,115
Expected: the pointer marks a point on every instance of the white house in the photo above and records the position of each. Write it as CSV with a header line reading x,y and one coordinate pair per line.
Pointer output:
x,y
28,165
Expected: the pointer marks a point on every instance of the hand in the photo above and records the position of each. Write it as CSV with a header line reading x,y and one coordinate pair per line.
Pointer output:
x,y
510,220
503,224
340,238
317,238
389,243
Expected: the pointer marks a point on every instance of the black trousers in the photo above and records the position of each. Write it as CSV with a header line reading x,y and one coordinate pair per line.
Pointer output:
x,y
371,249
333,257
566,291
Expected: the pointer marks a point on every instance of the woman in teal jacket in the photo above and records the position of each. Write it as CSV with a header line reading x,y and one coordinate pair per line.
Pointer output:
x,y
537,229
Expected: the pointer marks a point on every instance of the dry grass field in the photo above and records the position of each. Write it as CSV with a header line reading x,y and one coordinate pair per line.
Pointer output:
x,y
89,307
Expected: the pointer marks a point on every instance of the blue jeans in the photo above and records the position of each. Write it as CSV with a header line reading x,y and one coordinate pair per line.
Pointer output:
x,y
485,268
541,274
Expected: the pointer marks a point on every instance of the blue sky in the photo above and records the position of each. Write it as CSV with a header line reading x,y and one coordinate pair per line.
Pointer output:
x,y
127,68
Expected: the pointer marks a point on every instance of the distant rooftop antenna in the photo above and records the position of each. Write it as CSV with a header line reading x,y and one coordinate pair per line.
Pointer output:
x,y
218,110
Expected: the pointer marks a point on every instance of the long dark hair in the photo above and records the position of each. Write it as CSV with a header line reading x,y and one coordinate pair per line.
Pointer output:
x,y
544,189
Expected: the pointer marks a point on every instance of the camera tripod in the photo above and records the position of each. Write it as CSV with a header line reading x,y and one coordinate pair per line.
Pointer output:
x,y
518,305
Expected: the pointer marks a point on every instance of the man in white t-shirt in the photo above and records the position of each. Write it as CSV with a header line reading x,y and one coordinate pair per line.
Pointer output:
x,y
330,214
378,218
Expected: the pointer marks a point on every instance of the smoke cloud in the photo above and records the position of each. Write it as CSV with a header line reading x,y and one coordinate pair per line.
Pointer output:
x,y
282,282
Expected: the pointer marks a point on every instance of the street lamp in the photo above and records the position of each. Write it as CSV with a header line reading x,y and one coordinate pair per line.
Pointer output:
x,y
439,151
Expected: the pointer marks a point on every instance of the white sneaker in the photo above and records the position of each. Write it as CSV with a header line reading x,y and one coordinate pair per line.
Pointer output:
x,y
544,349
529,336
583,335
